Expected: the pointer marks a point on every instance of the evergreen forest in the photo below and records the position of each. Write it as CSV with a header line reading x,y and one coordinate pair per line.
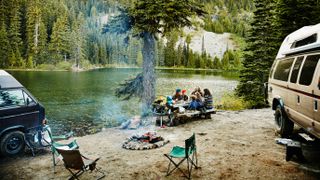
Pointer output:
x,y
48,34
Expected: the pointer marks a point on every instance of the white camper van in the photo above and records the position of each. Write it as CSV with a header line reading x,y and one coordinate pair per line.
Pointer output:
x,y
294,82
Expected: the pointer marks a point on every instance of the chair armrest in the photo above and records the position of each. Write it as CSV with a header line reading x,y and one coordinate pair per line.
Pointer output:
x,y
63,137
93,161
72,145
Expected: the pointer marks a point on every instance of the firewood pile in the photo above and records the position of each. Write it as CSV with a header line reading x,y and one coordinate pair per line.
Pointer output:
x,y
149,140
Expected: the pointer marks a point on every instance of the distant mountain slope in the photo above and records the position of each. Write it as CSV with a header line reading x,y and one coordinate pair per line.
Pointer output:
x,y
213,44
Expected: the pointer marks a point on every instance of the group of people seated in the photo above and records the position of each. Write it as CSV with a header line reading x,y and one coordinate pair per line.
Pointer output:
x,y
198,100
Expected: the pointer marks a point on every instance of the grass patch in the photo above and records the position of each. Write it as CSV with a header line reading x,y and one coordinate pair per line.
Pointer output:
x,y
64,65
46,67
230,101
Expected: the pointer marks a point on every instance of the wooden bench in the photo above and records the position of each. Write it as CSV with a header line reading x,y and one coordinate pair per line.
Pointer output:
x,y
193,113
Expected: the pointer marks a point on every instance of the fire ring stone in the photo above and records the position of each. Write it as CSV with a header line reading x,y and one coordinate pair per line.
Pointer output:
x,y
143,142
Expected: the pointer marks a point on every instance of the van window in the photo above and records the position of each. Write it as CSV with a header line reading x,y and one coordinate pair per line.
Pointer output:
x,y
283,69
28,100
308,69
295,69
11,98
309,40
272,69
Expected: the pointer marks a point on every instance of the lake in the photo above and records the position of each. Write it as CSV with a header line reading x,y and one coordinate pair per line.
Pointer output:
x,y
84,102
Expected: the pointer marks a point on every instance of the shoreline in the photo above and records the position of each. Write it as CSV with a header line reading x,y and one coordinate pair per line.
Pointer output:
x,y
121,67
220,142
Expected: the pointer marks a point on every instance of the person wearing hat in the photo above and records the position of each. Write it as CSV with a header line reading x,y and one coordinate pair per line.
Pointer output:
x,y
184,95
177,96
169,101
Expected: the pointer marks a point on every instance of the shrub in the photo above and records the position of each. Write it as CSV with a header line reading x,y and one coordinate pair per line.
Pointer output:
x,y
64,65
230,101
49,67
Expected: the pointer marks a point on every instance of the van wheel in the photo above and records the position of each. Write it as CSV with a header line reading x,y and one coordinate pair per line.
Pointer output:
x,y
12,143
285,125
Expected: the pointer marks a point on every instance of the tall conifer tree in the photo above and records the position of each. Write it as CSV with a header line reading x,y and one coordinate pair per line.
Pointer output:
x,y
259,54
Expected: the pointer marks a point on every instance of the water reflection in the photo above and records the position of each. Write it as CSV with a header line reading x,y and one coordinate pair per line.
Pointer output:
x,y
85,102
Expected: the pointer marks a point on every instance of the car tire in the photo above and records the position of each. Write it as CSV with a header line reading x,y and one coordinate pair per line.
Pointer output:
x,y
12,143
284,124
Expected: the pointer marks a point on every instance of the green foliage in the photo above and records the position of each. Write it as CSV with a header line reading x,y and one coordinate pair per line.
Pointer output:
x,y
49,32
47,67
273,21
230,101
64,65
5,46
217,63
228,16
225,61
139,59
170,52
29,63
161,16
259,54
291,15
59,46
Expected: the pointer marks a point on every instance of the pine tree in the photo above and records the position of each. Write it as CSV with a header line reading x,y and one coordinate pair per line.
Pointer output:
x,y
237,60
226,61
33,18
191,60
5,46
77,42
160,53
170,52
14,34
291,15
259,54
29,63
216,63
179,57
149,18
60,40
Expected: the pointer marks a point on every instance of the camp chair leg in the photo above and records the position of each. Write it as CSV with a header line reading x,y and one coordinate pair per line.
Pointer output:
x,y
175,164
192,161
189,168
189,171
101,172
75,175
54,161
196,155
29,146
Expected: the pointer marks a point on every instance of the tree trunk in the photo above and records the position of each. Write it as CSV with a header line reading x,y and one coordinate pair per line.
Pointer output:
x,y
149,79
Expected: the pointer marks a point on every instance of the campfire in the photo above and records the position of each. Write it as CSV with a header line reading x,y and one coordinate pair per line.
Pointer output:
x,y
149,140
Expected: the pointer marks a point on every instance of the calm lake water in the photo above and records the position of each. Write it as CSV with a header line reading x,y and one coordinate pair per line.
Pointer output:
x,y
85,102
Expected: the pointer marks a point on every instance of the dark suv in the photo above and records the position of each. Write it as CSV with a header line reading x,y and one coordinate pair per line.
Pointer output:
x,y
20,113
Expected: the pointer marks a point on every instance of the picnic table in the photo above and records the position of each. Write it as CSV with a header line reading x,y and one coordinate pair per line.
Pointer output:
x,y
174,116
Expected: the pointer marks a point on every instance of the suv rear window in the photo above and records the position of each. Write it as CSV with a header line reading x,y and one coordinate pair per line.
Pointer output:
x,y
308,69
295,69
283,69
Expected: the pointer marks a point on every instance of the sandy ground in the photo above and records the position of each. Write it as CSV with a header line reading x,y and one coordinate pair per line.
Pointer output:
x,y
237,145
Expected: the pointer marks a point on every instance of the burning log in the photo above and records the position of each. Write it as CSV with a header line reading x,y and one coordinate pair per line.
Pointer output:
x,y
146,141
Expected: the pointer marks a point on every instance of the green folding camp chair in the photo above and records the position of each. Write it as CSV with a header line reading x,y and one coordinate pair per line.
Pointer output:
x,y
189,153
77,164
54,145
